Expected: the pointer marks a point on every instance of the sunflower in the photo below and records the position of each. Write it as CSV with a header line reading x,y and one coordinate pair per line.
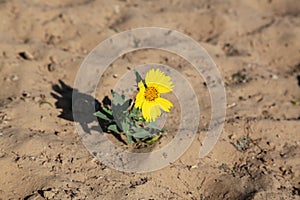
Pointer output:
x,y
148,98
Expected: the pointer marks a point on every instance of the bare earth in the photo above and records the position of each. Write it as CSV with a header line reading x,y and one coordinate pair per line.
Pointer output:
x,y
256,45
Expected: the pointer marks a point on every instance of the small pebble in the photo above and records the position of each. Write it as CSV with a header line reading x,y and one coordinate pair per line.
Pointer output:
x,y
265,113
26,55
14,78
115,75
26,94
32,158
282,168
232,136
51,67
231,105
53,59
274,76
194,166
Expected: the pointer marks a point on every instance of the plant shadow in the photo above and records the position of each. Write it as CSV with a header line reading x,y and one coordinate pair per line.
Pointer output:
x,y
64,94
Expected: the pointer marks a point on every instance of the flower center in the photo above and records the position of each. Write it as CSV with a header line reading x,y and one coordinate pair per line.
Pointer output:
x,y
151,93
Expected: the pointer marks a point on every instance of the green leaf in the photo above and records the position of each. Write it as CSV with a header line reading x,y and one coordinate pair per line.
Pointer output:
x,y
295,102
113,127
125,127
153,128
129,139
45,102
101,115
119,102
154,139
118,99
120,108
136,115
153,125
108,111
135,111
141,133
139,78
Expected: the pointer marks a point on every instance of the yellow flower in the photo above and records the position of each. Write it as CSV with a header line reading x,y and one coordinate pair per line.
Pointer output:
x,y
148,98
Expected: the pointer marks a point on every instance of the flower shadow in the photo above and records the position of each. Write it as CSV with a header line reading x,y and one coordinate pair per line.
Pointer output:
x,y
63,94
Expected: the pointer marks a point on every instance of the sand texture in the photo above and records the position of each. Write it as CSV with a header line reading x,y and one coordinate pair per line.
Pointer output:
x,y
256,46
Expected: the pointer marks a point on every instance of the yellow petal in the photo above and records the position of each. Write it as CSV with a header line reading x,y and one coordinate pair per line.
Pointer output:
x,y
160,88
141,85
140,98
146,111
150,111
164,104
160,80
155,112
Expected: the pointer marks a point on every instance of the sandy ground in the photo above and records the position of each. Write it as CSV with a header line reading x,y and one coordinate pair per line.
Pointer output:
x,y
256,45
